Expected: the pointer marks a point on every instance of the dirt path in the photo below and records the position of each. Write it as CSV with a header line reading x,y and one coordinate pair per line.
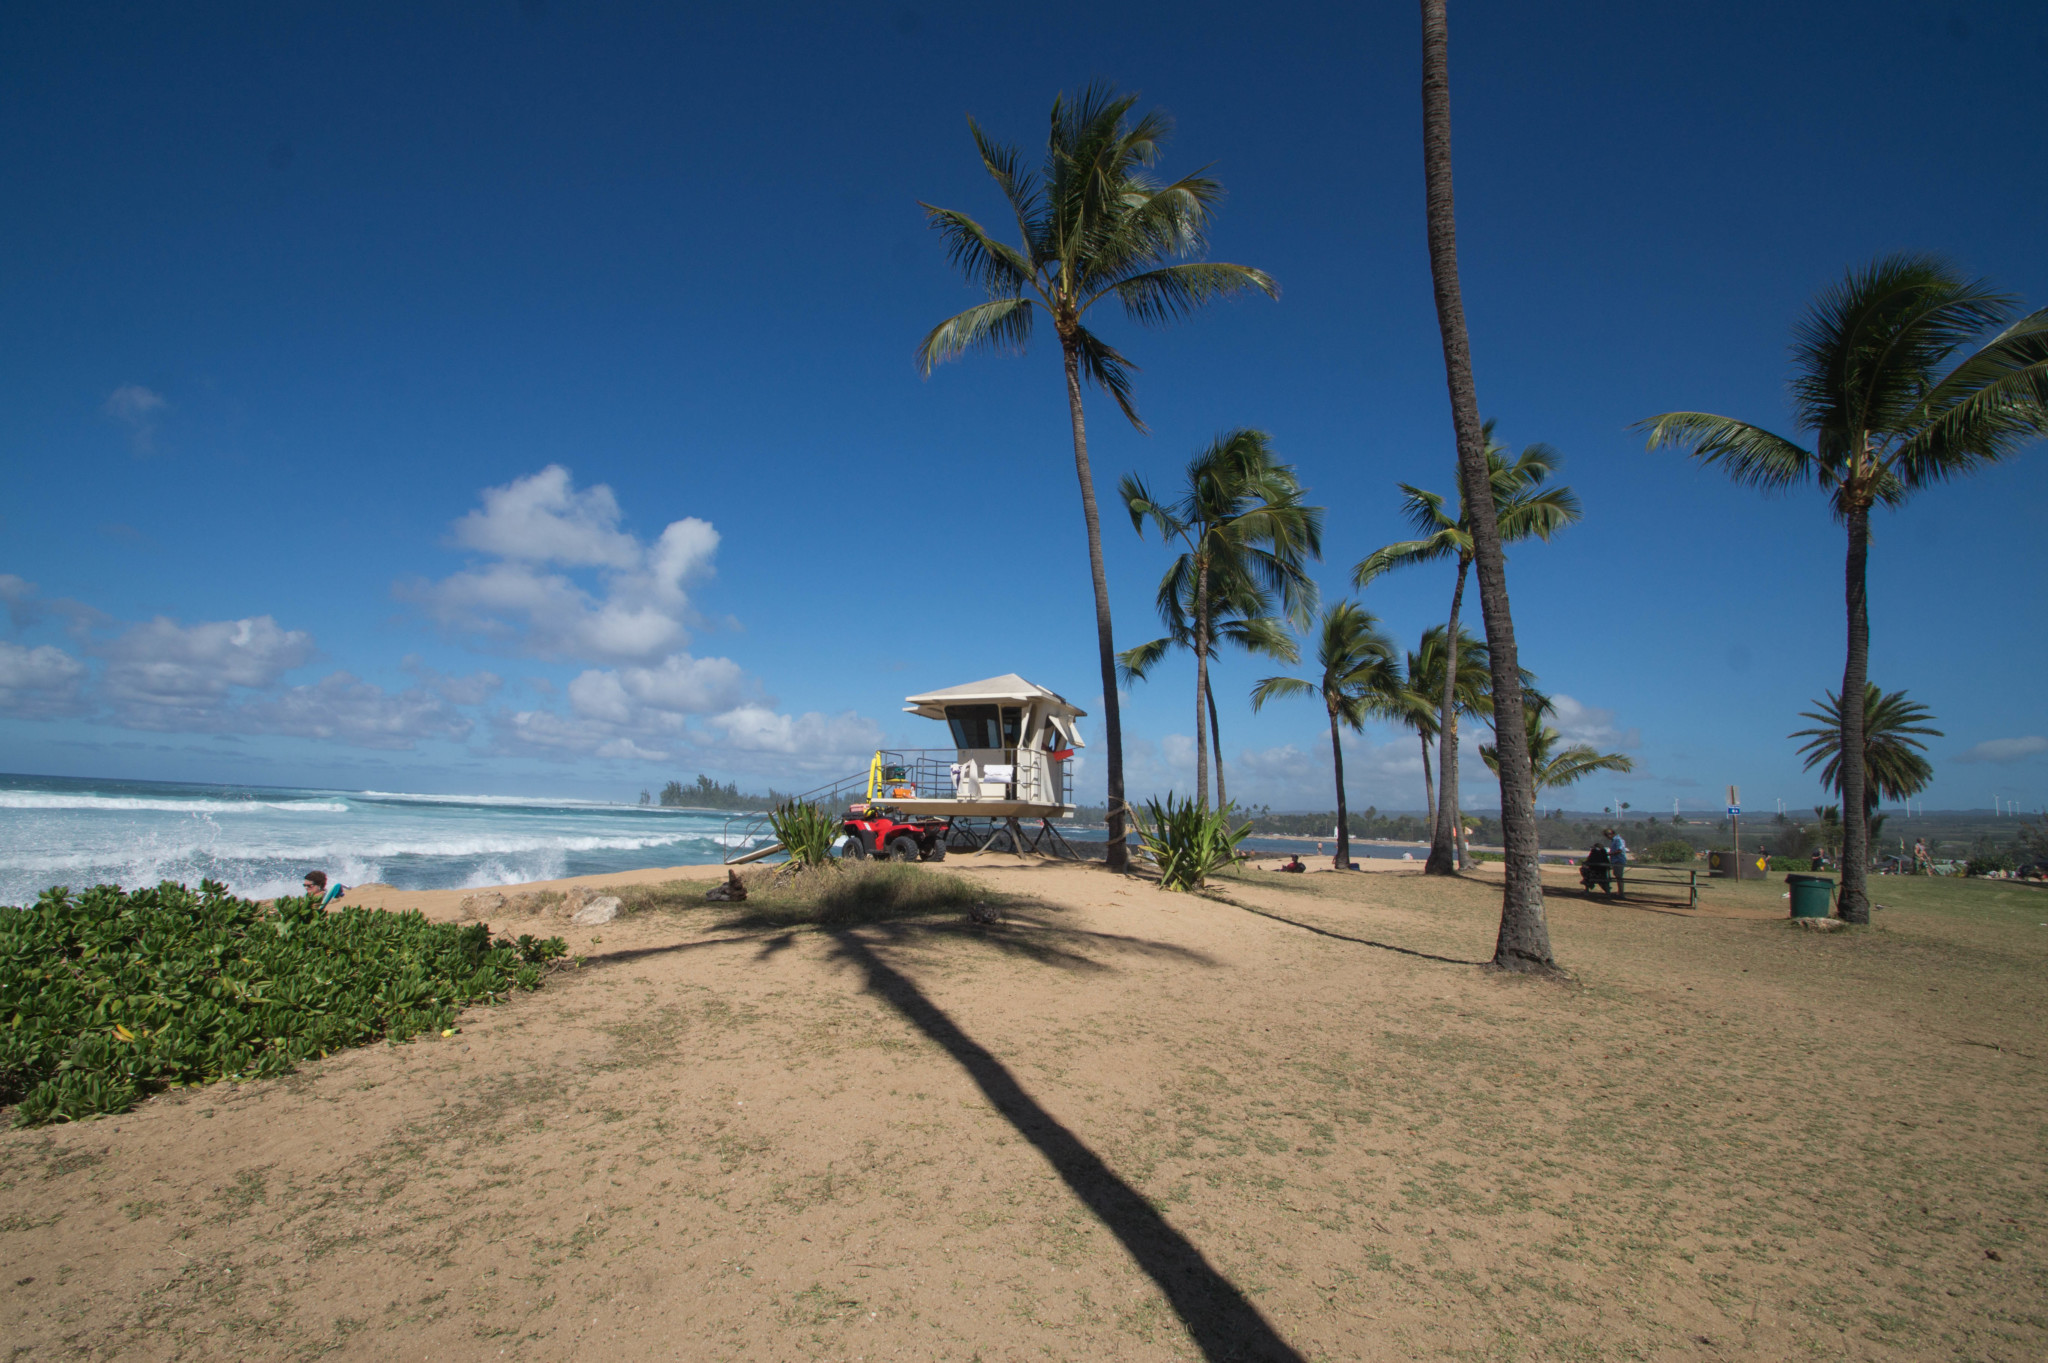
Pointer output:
x,y
1122,1124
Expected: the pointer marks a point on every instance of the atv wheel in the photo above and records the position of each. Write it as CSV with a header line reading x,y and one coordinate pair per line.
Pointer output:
x,y
903,847
856,848
938,852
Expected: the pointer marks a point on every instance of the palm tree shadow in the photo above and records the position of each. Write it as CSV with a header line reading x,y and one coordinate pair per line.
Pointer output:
x,y
1222,1322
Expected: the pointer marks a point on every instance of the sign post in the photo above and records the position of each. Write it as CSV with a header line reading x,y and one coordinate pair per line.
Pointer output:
x,y
1735,823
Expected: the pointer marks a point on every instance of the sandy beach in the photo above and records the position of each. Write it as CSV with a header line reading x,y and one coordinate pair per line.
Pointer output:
x,y
1292,1119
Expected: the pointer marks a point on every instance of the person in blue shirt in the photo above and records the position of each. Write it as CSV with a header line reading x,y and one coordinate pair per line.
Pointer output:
x,y
1617,857
318,890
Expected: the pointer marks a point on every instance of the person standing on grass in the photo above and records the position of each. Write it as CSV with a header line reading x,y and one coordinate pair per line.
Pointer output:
x,y
1617,857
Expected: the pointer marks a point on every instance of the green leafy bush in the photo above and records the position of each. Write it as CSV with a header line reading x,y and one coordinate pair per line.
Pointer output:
x,y
806,832
113,994
1670,852
1187,842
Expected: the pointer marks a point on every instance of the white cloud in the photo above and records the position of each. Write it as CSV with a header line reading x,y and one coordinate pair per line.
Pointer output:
x,y
1581,723
680,685
639,611
136,408
543,519
814,740
348,710
25,607
2005,749
39,683
163,675
474,689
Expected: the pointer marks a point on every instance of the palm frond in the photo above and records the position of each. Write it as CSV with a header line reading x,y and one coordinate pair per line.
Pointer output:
x,y
1135,664
1004,325
1271,687
1402,554
1982,410
1171,292
996,268
1102,366
1020,188
1749,454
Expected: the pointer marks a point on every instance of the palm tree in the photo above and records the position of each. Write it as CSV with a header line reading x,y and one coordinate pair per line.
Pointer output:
x,y
1552,767
1091,225
1244,621
1421,708
1524,940
1523,508
1892,761
1245,527
1886,421
1361,679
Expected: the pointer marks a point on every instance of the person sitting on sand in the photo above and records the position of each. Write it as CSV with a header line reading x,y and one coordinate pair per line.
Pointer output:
x,y
1293,863
318,890
1593,870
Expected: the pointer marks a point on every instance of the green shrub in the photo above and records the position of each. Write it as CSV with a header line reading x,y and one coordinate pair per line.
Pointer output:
x,y
1670,852
110,995
806,832
1984,863
1187,842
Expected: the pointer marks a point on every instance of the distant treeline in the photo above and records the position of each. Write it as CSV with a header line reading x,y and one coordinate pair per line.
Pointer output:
x,y
708,794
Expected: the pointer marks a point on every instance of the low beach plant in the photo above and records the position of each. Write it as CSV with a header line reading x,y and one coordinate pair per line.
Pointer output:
x,y
108,996
1187,842
806,832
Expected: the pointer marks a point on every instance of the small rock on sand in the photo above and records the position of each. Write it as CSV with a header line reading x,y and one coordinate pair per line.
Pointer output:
x,y
477,905
597,909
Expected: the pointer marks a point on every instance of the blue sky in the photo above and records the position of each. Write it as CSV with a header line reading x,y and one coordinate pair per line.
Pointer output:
x,y
493,399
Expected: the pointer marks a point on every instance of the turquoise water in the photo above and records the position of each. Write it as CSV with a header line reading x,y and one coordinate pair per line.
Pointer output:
x,y
261,840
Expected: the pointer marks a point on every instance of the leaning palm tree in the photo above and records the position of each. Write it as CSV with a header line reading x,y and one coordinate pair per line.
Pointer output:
x,y
1091,225
1245,527
1524,939
1893,766
1523,508
1243,620
1552,767
1421,710
1361,679
1886,420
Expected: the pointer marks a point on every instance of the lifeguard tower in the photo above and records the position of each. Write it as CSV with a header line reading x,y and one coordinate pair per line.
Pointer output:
x,y
1011,760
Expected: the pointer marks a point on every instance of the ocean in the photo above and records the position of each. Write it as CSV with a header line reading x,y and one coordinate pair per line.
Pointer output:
x,y
261,840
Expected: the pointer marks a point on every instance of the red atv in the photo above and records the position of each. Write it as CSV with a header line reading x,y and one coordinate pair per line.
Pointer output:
x,y
875,832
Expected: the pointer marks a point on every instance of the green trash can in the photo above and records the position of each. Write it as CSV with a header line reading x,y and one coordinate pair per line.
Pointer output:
x,y
1812,896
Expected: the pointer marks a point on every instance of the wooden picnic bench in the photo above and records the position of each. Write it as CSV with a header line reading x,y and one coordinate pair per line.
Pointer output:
x,y
1662,884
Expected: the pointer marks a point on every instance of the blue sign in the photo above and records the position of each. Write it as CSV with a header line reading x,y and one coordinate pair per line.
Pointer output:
x,y
1733,810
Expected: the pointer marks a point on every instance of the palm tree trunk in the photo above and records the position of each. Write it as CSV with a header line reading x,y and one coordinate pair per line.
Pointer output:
x,y
1854,905
1216,747
1118,856
1201,680
1428,789
1343,814
1443,857
1524,941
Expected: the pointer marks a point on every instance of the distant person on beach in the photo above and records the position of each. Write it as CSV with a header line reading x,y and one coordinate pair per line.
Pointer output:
x,y
1923,865
318,890
1293,863
1617,857
1593,871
